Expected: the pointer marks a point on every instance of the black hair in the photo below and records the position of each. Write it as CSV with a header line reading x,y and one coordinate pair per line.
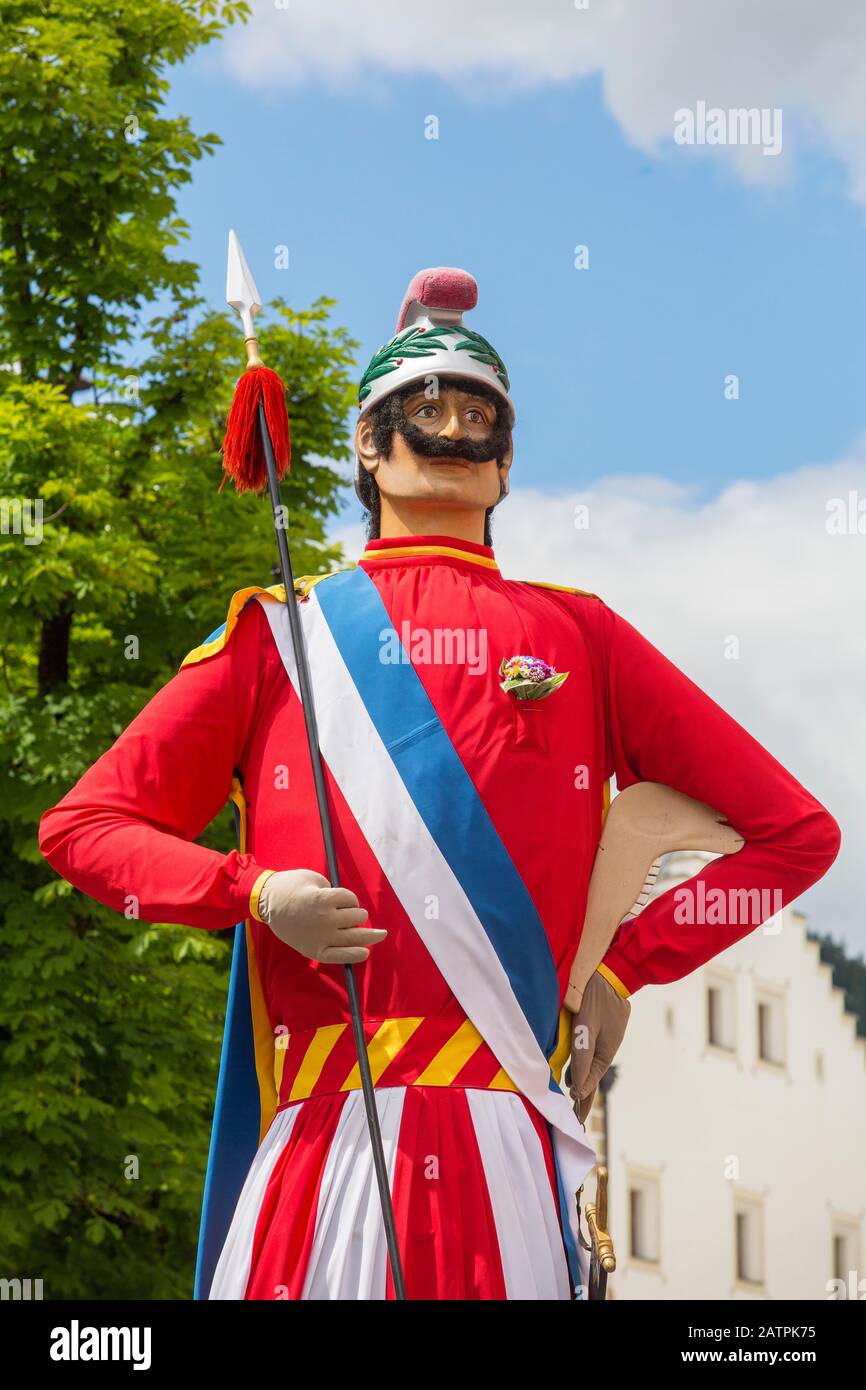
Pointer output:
x,y
388,415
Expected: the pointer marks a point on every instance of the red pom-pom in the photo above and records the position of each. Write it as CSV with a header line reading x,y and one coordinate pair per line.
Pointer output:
x,y
243,454
441,287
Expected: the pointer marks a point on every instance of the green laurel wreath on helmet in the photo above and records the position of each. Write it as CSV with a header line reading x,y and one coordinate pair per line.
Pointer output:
x,y
412,342
421,342
484,352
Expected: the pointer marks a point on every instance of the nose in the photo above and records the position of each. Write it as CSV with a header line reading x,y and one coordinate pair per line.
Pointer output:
x,y
451,430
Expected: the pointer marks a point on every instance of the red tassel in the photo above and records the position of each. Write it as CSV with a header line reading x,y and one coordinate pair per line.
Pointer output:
x,y
243,455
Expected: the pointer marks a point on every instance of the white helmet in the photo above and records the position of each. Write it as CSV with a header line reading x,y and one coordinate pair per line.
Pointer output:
x,y
432,341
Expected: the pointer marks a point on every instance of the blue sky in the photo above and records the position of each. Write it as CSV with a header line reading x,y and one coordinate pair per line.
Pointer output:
x,y
708,515
616,369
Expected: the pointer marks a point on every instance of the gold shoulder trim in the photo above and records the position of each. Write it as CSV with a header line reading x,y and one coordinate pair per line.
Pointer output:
x,y
560,588
239,601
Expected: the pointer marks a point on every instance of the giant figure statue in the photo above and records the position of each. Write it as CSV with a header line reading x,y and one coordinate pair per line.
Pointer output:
x,y
470,726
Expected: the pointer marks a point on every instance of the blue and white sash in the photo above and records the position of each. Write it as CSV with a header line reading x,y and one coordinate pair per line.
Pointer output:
x,y
433,837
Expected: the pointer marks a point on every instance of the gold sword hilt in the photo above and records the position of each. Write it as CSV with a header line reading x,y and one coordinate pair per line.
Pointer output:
x,y
596,1220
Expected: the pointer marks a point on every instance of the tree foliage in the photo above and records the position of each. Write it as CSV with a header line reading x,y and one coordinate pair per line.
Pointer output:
x,y
89,164
110,1028
849,975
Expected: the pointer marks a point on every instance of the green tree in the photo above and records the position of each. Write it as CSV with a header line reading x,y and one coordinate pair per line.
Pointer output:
x,y
88,169
110,1028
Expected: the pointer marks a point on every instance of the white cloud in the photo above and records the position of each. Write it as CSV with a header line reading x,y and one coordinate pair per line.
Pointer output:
x,y
756,563
807,58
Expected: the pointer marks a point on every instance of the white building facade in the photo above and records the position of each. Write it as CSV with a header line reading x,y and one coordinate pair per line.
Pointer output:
x,y
735,1127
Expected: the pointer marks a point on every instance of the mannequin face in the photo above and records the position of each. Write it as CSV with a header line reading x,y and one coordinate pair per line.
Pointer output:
x,y
444,482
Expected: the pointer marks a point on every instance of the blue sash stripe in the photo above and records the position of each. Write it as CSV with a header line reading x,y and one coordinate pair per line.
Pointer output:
x,y
445,797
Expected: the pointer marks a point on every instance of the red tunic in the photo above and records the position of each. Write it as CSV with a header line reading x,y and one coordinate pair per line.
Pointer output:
x,y
127,827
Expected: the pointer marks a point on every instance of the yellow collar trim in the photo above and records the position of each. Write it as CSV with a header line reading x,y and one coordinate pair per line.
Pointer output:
x,y
401,552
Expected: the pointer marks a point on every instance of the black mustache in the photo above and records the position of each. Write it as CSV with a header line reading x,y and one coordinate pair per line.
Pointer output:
x,y
433,446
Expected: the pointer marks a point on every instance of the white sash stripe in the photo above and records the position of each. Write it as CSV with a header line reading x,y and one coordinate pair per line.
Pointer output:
x,y
415,868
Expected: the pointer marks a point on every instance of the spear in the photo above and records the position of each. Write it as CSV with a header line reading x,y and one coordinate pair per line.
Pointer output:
x,y
256,453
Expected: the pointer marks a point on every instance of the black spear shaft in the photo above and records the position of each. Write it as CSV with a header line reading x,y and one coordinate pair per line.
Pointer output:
x,y
306,690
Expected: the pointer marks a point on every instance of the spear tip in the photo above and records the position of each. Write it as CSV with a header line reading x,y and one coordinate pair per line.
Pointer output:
x,y
241,291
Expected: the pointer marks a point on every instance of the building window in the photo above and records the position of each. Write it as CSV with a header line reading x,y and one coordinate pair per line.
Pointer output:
x,y
749,1238
669,1020
771,1027
643,1217
721,1001
819,1066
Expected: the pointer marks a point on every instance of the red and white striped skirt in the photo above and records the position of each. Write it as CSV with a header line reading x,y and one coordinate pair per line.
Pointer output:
x,y
473,1186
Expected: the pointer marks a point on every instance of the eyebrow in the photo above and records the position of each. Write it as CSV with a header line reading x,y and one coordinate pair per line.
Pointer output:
x,y
421,399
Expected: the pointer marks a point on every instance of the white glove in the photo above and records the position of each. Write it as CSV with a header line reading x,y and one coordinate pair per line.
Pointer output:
x,y
321,922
